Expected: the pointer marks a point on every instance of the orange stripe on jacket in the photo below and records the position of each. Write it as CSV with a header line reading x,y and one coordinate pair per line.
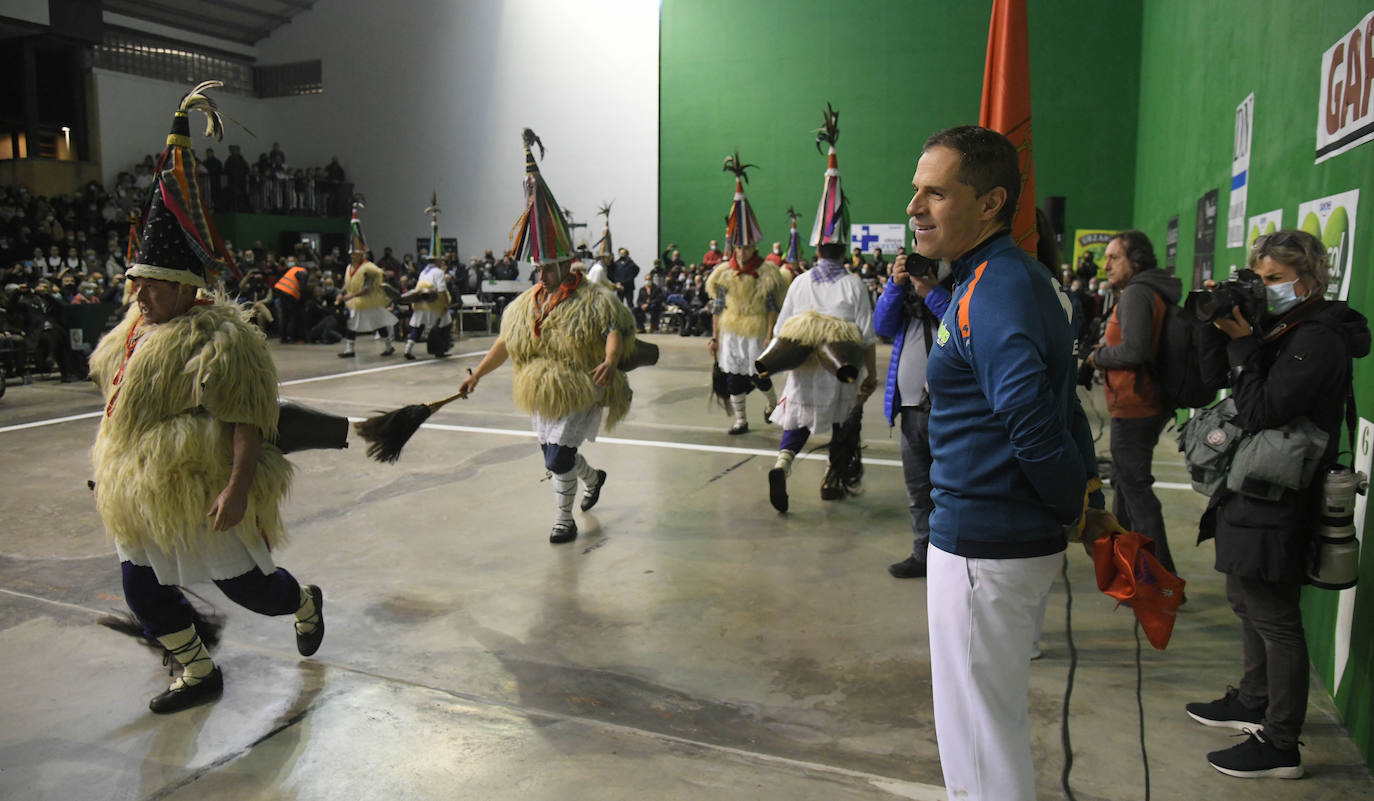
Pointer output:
x,y
968,296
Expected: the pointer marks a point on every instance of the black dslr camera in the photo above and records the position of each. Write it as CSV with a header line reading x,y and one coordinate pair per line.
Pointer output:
x,y
1244,291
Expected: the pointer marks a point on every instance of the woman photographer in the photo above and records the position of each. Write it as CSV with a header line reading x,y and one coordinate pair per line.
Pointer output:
x,y
1294,361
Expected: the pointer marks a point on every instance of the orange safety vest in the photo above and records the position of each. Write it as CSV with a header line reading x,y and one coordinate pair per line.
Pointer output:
x,y
290,283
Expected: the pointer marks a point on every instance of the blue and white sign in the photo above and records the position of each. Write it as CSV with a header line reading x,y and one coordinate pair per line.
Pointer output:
x,y
870,236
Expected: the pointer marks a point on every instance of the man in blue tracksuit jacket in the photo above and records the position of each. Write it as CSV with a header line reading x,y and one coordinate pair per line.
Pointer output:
x,y
908,311
1011,454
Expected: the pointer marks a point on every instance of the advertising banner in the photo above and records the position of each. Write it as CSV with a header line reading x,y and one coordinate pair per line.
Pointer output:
x,y
1091,242
1345,117
1205,241
1240,172
1260,224
1332,220
867,237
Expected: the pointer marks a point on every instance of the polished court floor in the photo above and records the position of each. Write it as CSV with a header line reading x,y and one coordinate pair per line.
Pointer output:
x,y
691,644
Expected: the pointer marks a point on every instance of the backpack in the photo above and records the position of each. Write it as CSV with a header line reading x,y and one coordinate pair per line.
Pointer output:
x,y
1176,366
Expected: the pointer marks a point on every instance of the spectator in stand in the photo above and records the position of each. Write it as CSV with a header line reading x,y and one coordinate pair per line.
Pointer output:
x,y
879,263
648,305
390,266
214,179
696,319
236,174
712,256
856,261
623,273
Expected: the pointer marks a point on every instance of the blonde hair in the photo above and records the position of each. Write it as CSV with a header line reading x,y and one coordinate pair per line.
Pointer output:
x,y
1297,249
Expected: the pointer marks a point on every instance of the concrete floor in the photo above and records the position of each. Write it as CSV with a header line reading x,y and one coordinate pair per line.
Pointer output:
x,y
692,643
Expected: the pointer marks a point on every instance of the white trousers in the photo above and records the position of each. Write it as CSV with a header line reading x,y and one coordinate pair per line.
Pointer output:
x,y
984,615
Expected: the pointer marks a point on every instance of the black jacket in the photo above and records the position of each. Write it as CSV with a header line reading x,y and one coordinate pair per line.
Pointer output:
x,y
1299,366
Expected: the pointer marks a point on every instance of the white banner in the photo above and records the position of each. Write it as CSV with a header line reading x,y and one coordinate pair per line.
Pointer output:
x,y
1345,115
1332,220
1240,172
869,236
1261,224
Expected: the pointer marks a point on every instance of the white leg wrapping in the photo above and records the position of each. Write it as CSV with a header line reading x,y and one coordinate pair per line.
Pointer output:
x,y
564,491
737,404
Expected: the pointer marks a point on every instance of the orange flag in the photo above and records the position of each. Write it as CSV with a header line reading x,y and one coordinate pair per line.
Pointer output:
x,y
1006,104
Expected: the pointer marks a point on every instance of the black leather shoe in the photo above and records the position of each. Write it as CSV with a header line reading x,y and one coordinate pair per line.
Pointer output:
x,y
345,355
307,643
741,427
910,567
186,696
389,350
563,532
410,357
777,488
594,491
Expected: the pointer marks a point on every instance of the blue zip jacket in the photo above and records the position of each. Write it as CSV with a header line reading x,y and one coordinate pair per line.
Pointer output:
x,y
890,320
1010,446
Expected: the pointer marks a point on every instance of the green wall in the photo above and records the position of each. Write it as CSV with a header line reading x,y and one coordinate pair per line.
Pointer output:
x,y
1199,61
756,74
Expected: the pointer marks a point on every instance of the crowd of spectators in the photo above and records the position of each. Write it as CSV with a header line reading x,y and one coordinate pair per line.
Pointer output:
x,y
267,185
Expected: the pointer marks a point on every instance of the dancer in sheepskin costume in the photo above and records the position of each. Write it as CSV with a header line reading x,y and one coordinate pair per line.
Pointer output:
x,y
191,409
430,298
566,336
364,294
746,291
826,304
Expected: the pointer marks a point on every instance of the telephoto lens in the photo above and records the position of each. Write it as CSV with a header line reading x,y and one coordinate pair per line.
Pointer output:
x,y
1336,564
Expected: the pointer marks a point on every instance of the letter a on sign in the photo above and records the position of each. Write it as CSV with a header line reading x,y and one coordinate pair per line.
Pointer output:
x,y
1345,119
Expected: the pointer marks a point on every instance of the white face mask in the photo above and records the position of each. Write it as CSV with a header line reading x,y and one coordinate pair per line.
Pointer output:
x,y
1281,297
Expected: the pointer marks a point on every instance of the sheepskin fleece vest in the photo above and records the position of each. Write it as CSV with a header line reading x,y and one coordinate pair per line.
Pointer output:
x,y
748,299
553,370
165,450
438,285
355,280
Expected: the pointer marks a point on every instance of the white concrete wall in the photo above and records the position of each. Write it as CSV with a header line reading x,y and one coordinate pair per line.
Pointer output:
x,y
135,114
432,94
425,95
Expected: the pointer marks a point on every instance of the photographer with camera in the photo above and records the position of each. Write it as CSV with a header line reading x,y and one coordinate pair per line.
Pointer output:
x,y
1135,402
909,311
1287,354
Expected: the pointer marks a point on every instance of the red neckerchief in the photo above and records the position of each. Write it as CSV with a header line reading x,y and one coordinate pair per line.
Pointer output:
x,y
545,303
750,268
131,341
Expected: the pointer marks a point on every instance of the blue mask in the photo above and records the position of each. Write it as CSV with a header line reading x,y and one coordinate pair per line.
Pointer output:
x,y
1281,297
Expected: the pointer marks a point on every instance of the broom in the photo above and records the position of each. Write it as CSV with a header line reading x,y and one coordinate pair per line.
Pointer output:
x,y
386,434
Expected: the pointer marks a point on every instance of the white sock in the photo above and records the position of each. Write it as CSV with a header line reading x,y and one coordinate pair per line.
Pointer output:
x,y
348,345
784,461
564,491
583,470
772,395
410,345
737,403
187,649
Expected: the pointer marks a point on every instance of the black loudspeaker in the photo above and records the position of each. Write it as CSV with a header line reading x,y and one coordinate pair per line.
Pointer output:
x,y
1054,209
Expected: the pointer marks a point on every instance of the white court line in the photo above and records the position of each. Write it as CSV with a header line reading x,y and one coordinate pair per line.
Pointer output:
x,y
52,422
381,369
88,415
